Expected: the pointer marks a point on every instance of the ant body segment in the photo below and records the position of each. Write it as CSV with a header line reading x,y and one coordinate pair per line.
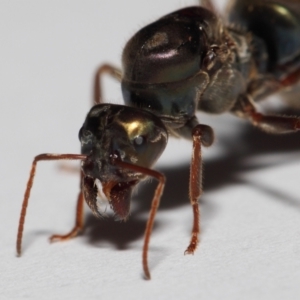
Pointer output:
x,y
186,61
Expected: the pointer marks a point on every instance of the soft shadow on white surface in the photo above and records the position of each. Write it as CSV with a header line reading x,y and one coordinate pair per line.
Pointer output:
x,y
250,210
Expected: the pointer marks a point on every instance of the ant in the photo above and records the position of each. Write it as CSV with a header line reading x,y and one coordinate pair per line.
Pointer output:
x,y
186,61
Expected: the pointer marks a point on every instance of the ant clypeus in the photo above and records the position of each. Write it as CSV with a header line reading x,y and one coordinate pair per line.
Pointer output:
x,y
186,61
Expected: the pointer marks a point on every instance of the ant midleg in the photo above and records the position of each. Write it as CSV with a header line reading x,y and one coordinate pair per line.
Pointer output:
x,y
200,134
267,85
245,108
291,80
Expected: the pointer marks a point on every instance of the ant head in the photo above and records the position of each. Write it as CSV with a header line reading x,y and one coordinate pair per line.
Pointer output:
x,y
114,132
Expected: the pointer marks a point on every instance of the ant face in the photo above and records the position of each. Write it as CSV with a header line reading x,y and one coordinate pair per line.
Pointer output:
x,y
116,132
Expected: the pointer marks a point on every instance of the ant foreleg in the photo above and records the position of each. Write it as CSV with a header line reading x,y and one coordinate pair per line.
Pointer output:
x,y
38,158
114,72
154,206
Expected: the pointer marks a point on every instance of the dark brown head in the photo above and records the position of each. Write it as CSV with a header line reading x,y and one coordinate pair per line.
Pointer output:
x,y
113,133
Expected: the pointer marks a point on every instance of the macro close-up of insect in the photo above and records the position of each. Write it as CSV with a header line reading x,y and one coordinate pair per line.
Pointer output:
x,y
196,59
186,61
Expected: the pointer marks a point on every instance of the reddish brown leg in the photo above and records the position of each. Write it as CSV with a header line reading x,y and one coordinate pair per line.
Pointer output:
x,y
271,124
292,79
154,206
104,69
38,158
195,187
78,223
263,87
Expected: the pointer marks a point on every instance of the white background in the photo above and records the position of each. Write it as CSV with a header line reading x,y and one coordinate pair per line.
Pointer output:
x,y
250,212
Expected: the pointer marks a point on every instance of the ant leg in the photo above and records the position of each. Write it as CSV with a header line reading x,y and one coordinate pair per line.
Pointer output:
x,y
154,205
265,86
202,134
38,158
244,108
291,79
78,223
104,69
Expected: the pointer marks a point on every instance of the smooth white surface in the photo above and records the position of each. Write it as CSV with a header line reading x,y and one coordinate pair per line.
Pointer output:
x,y
250,242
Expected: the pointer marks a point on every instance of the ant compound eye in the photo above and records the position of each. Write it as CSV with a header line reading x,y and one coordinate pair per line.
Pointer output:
x,y
86,134
139,140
